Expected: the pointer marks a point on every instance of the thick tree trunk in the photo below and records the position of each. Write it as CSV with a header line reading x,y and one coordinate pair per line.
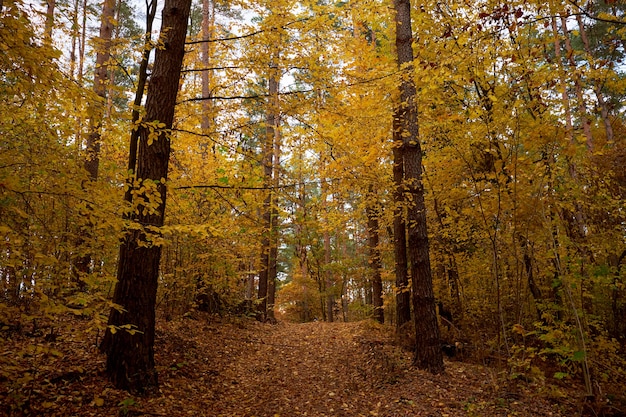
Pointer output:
x,y
130,349
428,353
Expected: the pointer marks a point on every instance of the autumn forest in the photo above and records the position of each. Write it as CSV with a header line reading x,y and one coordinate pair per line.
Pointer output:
x,y
444,178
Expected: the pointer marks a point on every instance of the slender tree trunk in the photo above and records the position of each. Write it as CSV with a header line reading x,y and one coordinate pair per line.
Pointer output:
x,y
582,107
49,25
328,274
274,235
375,261
403,291
75,35
569,127
142,79
428,353
96,111
208,22
597,87
267,260
96,114
130,349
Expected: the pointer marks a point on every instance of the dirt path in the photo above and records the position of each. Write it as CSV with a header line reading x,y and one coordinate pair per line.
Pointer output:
x,y
324,369
310,369
241,368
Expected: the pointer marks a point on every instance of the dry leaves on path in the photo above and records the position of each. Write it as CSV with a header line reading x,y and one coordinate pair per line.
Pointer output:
x,y
244,368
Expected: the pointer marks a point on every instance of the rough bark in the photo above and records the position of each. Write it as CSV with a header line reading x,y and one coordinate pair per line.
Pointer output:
x,y
428,353
130,354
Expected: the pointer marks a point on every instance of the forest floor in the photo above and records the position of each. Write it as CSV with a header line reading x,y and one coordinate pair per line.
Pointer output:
x,y
238,367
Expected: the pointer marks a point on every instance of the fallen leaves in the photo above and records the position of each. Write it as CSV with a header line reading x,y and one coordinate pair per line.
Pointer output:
x,y
243,368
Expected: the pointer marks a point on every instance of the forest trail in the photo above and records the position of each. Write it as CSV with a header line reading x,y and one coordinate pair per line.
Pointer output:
x,y
327,369
236,367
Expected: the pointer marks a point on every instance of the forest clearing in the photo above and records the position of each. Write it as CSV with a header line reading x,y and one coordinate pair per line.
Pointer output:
x,y
237,367
303,207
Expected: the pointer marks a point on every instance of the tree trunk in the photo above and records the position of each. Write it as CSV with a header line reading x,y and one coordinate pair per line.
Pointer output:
x,y
428,353
49,25
96,114
267,253
142,79
130,349
403,291
208,21
597,85
582,107
96,111
375,261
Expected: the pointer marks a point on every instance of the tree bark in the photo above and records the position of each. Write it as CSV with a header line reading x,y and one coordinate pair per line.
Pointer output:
x,y
403,291
96,113
130,349
375,261
597,86
142,79
268,254
49,25
428,353
578,88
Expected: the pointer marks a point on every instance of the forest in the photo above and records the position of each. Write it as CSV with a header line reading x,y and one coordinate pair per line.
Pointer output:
x,y
424,189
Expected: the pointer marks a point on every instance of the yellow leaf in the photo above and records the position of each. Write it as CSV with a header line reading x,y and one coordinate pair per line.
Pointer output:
x,y
98,402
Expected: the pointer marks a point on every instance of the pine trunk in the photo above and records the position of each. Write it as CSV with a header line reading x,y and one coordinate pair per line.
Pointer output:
x,y
130,349
428,353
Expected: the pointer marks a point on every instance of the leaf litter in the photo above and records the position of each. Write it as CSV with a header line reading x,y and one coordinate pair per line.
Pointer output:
x,y
227,367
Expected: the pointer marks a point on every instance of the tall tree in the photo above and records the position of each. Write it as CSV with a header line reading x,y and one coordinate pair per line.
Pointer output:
x,y
375,260
428,353
403,291
267,273
96,112
96,115
129,340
